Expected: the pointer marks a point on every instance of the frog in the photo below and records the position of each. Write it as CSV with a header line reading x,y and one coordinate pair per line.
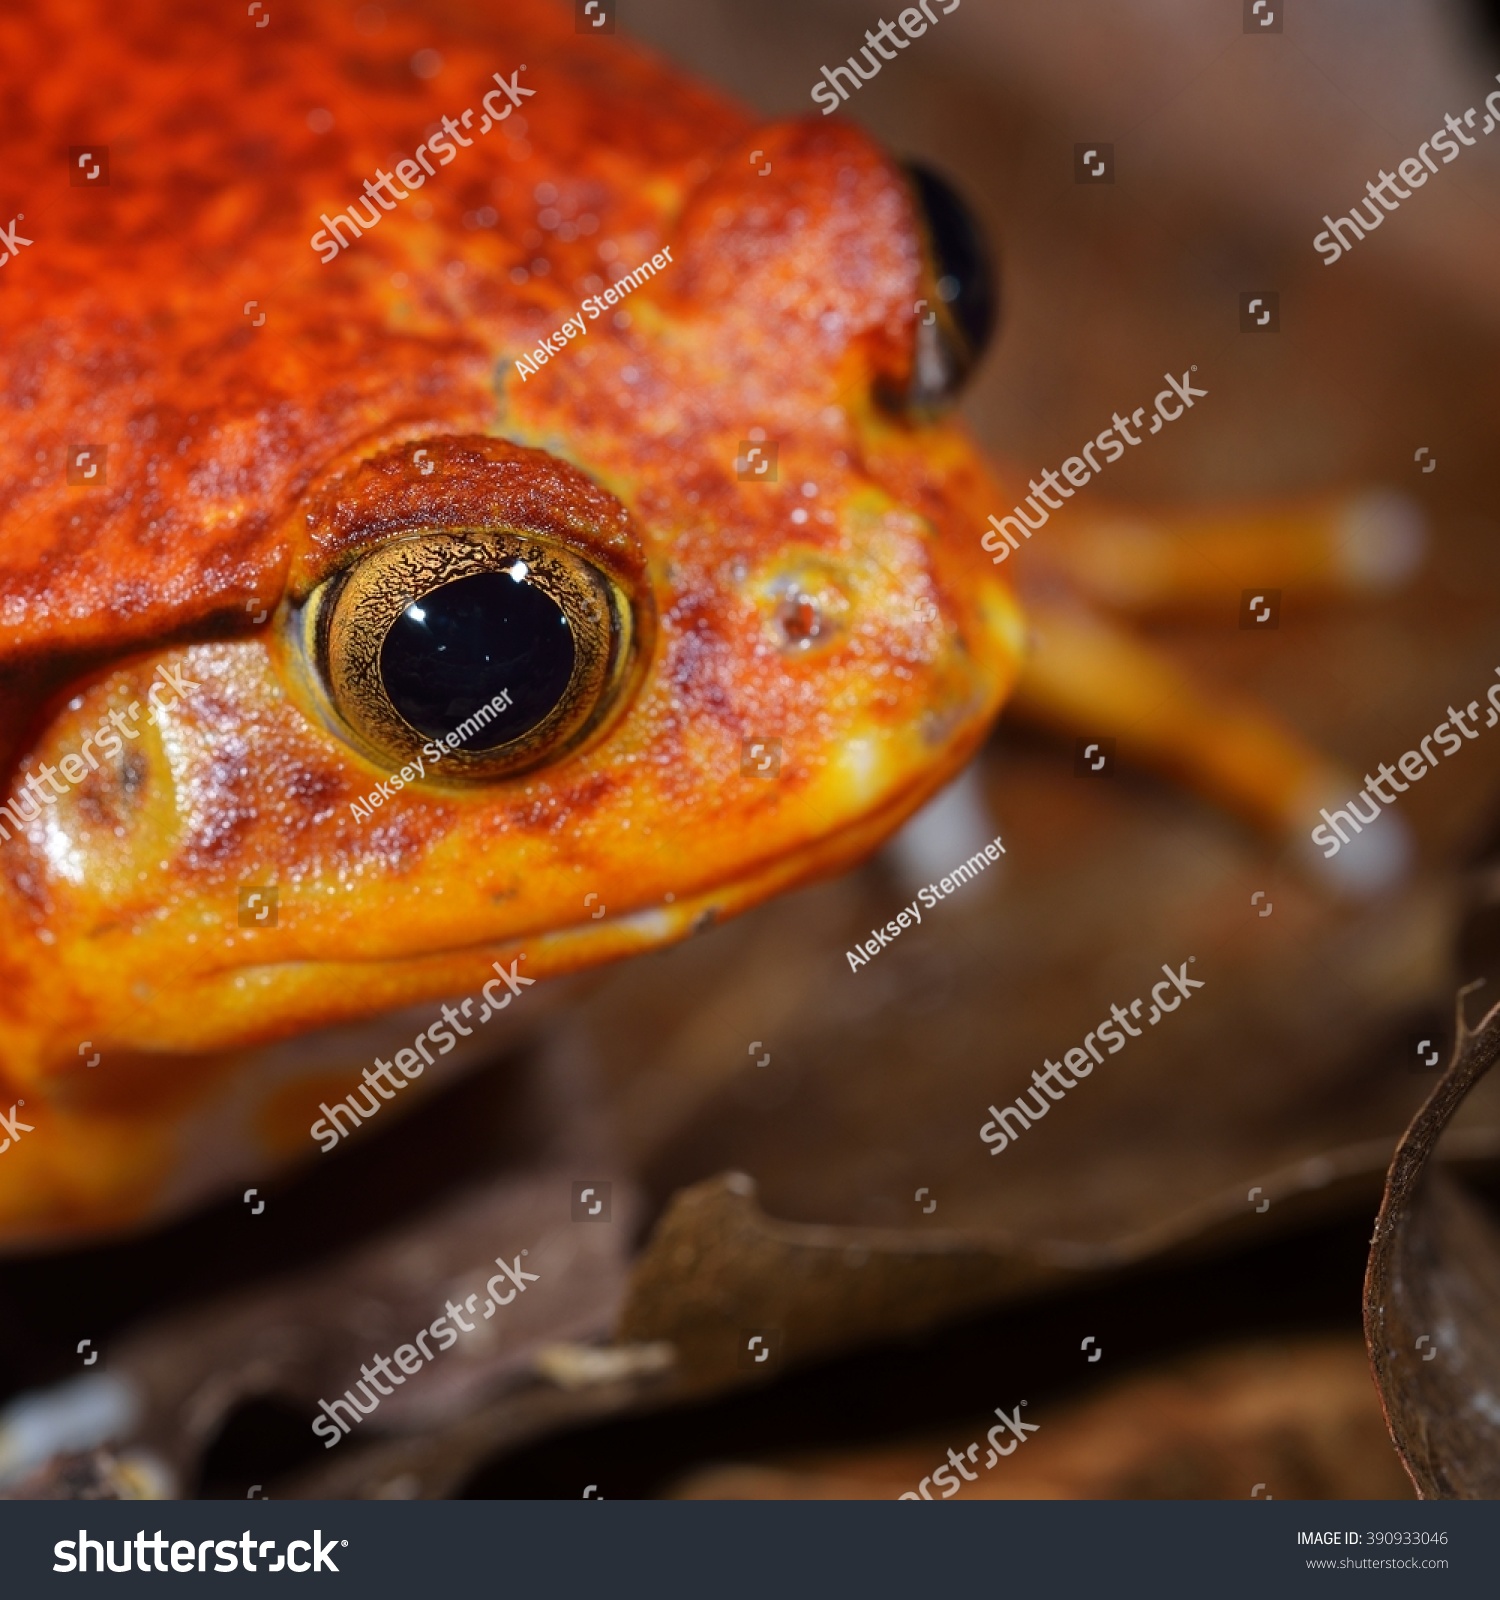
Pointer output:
x,y
475,507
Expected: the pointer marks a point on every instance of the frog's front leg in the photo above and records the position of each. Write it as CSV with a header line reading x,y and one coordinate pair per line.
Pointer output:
x,y
1357,543
1085,675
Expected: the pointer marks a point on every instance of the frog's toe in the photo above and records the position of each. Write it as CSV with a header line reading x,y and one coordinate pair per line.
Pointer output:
x,y
1362,865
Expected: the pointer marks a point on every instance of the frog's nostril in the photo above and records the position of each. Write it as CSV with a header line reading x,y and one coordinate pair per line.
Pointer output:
x,y
806,608
800,621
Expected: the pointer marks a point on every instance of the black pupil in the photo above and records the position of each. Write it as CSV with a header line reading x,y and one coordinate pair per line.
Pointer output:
x,y
484,657
965,272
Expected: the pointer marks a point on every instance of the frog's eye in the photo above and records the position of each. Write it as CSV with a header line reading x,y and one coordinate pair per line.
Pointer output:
x,y
502,649
962,293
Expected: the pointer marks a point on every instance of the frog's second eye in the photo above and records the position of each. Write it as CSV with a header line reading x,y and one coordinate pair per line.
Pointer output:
x,y
961,290
502,649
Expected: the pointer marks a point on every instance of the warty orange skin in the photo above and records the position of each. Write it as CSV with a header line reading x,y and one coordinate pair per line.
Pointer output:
x,y
248,460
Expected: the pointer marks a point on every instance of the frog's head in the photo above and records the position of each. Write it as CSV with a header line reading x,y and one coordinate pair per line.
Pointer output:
x,y
692,613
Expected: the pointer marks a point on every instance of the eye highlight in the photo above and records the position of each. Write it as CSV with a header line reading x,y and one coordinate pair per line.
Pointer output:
x,y
505,648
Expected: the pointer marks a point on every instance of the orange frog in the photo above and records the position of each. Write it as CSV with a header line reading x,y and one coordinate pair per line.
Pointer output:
x,y
472,502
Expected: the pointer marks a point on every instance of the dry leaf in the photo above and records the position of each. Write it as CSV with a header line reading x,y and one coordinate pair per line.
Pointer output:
x,y
1432,1298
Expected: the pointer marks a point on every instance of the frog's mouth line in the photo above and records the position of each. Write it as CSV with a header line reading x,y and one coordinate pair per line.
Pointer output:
x,y
242,1006
595,940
